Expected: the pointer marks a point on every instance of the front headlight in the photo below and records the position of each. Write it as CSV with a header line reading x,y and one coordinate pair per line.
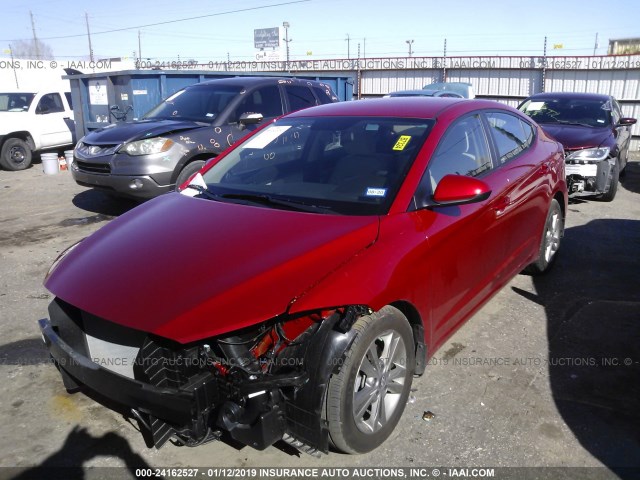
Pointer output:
x,y
59,258
148,146
590,154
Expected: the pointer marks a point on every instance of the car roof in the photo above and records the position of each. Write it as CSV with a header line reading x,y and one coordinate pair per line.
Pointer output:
x,y
570,95
248,81
400,107
417,93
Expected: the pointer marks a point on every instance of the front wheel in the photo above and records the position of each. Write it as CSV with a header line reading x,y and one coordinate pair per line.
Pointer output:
x,y
15,154
610,194
366,398
187,171
550,243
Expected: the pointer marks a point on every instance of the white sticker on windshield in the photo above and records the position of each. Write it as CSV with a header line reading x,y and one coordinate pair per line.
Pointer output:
x,y
376,192
535,106
267,136
196,180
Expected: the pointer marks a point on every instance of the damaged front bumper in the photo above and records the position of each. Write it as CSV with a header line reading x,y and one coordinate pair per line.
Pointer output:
x,y
189,410
193,405
587,177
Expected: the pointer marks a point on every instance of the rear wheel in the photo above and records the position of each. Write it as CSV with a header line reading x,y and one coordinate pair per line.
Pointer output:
x,y
187,171
366,398
15,154
610,194
551,236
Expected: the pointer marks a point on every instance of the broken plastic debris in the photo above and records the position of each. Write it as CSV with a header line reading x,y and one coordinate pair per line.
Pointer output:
x,y
427,416
412,399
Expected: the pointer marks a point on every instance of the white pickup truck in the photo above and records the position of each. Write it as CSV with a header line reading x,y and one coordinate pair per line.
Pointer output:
x,y
31,122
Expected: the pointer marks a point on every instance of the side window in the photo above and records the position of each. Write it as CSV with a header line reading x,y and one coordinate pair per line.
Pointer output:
x,y
299,97
323,95
50,103
462,151
69,101
265,100
616,114
510,134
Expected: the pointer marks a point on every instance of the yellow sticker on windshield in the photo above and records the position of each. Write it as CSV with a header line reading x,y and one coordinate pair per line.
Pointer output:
x,y
402,142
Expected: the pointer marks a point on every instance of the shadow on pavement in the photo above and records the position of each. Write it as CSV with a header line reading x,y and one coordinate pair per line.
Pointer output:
x,y
30,351
102,203
592,303
631,178
79,448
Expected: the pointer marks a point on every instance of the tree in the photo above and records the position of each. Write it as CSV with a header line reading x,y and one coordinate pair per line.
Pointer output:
x,y
32,49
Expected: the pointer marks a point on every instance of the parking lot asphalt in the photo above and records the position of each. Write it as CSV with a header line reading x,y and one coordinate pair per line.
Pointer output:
x,y
547,374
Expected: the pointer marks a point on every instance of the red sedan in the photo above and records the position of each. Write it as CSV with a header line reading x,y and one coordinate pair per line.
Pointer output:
x,y
299,281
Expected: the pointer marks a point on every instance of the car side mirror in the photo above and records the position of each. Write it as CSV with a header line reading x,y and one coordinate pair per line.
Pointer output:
x,y
624,121
460,190
250,118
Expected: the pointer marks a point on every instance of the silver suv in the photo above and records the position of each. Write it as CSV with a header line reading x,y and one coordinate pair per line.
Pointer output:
x,y
151,156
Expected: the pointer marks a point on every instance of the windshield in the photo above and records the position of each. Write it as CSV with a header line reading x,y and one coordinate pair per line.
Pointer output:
x,y
198,103
15,102
343,165
572,111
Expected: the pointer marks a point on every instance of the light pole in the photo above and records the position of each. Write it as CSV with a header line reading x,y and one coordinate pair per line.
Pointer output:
x,y
410,42
286,39
348,39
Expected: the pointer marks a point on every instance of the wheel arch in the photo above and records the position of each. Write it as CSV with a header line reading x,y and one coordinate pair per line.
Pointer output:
x,y
182,164
417,326
22,135
562,200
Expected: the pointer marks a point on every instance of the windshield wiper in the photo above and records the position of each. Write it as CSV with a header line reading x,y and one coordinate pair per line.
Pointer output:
x,y
204,191
568,122
263,199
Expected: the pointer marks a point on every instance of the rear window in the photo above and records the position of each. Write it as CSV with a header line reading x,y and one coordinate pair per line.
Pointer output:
x,y
324,95
299,97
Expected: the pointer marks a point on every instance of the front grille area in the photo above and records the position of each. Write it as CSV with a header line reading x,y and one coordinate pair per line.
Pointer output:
x,y
96,150
108,344
87,167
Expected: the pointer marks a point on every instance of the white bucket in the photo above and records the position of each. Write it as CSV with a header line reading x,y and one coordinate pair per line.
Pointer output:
x,y
68,156
50,163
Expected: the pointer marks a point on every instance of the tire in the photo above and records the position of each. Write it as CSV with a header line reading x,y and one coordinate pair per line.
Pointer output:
x,y
366,398
550,242
15,155
623,170
610,194
188,170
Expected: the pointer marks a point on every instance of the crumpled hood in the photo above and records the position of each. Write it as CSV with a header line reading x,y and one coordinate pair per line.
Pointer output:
x,y
188,268
130,131
574,136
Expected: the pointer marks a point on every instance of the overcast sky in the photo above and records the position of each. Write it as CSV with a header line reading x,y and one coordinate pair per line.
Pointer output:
x,y
319,28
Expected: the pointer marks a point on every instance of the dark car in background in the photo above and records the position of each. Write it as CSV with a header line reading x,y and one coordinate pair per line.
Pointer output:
x,y
595,136
320,263
440,89
424,93
145,158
